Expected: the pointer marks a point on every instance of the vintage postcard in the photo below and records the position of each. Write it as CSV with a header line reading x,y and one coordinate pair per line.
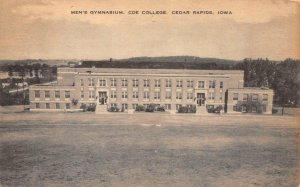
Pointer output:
x,y
149,93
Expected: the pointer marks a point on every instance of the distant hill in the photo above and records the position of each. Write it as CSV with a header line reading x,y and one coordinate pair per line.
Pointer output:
x,y
35,61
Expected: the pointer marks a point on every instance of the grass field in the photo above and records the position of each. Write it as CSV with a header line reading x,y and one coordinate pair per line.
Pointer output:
x,y
81,149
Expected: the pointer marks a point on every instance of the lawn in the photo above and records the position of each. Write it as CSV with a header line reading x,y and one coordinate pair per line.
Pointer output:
x,y
80,149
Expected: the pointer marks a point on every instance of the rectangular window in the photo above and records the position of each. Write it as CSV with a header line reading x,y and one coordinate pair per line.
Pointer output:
x,y
221,96
37,94
135,83
57,105
178,95
102,82
168,95
124,106
265,97
37,105
221,84
178,106
91,94
168,106
234,108
146,105
156,95
211,95
212,84
68,106
113,94
201,84
190,84
135,95
124,95
245,97
113,105
113,82
124,83
254,97
47,105
157,83
146,95
235,96
47,94
146,83
91,82
67,94
81,82
134,106
57,94
168,83
189,96
82,94
179,83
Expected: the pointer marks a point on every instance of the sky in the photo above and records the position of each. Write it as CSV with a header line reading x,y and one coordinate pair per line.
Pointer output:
x,y
46,29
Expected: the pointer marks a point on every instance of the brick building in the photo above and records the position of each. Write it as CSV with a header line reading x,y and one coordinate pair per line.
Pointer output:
x,y
170,88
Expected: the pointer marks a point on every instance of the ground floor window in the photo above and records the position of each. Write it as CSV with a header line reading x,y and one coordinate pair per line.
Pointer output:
x,y
134,106
146,105
210,108
124,106
178,106
244,108
57,105
113,104
47,105
37,105
168,106
68,106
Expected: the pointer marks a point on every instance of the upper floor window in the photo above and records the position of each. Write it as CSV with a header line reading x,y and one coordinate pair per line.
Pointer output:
x,y
255,97
156,95
211,95
37,105
124,83
135,95
37,94
168,95
190,84
91,94
67,94
221,84
265,97
168,83
91,82
57,94
113,82
235,96
47,94
179,83
102,82
189,96
81,82
146,95
212,84
113,94
201,84
135,82
178,95
157,83
146,83
124,95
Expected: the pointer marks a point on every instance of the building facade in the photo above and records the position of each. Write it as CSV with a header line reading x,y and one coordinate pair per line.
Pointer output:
x,y
128,88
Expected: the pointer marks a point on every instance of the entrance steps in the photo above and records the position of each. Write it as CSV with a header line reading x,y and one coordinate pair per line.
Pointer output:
x,y
101,109
201,110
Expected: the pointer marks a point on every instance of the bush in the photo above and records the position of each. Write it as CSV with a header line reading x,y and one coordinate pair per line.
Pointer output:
x,y
160,109
150,108
114,109
218,109
140,108
83,107
187,109
89,108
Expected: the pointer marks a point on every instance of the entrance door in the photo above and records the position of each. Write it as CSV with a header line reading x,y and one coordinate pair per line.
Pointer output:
x,y
102,98
200,99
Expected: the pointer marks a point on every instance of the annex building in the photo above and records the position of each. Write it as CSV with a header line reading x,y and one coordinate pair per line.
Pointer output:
x,y
170,88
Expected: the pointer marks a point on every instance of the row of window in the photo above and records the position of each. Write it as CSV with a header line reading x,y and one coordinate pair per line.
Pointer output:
x,y
134,106
146,83
254,97
37,94
57,106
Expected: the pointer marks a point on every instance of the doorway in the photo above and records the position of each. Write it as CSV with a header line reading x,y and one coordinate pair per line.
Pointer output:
x,y
102,98
201,99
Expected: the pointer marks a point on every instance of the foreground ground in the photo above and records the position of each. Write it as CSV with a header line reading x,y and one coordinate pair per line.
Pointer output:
x,y
82,149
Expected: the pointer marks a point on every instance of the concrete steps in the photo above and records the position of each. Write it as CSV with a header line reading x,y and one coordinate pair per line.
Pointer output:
x,y
201,110
101,109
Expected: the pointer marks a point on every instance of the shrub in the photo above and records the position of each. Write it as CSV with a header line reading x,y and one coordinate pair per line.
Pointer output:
x,y
91,108
140,108
113,109
218,109
83,107
187,109
150,108
160,108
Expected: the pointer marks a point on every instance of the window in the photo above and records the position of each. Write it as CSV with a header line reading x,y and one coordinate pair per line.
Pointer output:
x,y
235,96
91,82
134,106
156,95
47,105
113,82
254,97
102,82
234,108
168,95
81,82
37,105
212,84
57,105
113,94
221,96
221,84
124,95
178,106
124,106
135,95
190,84
146,105
47,94
254,109
168,83
57,94
168,106
146,83
37,94
157,83
265,97
179,83
124,83
201,84
113,105
189,96
178,95
68,106
244,108
146,95
245,97
91,94
135,83
67,94
82,94
211,95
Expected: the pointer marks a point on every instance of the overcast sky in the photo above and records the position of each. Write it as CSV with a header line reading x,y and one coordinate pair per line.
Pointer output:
x,y
45,29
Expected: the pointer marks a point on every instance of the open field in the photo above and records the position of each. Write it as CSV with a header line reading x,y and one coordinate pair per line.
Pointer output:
x,y
83,149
